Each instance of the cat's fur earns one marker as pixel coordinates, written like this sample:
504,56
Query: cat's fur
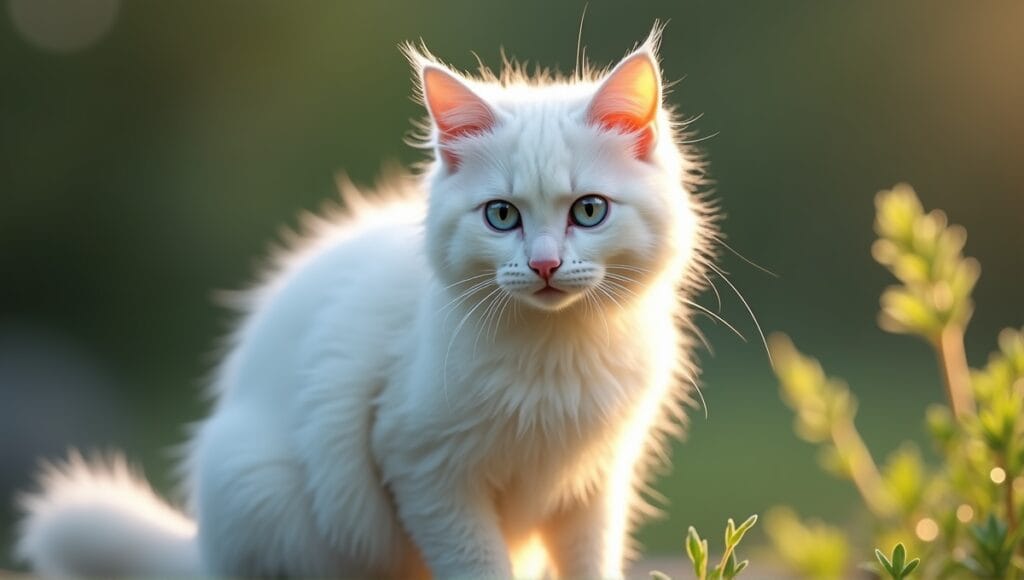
397,401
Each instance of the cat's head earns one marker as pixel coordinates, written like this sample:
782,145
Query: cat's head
553,190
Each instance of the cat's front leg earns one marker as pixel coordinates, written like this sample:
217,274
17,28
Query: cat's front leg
588,539
455,527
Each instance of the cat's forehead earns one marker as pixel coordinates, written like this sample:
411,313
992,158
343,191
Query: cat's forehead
542,140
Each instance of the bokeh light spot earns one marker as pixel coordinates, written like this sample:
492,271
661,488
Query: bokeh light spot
927,529
997,475
63,26
964,513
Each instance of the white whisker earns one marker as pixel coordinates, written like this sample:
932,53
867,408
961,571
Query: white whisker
627,267
606,291
505,301
455,302
718,297
485,321
718,239
591,299
715,317
464,280
455,334
700,394
621,288
757,324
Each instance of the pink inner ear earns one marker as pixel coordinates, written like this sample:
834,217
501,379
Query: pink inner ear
628,101
455,108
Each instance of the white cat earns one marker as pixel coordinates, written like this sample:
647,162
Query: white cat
464,374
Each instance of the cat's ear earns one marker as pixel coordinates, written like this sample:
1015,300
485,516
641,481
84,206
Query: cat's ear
455,109
628,99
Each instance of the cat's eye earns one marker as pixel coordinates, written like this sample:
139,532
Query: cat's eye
589,211
501,215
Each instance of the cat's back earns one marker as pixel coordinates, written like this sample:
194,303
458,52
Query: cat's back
353,280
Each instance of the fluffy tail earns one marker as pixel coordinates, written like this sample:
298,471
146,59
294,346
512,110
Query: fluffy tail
101,519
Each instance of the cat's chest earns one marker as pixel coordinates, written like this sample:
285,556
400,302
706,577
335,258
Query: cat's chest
548,437
524,417
544,409
570,382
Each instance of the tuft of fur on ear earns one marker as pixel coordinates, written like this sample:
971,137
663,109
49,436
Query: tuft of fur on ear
456,111
629,97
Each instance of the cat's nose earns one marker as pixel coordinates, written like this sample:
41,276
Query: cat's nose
544,259
545,267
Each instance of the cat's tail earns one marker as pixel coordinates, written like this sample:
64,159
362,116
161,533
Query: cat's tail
99,518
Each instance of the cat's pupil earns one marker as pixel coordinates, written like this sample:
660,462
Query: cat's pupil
503,213
589,208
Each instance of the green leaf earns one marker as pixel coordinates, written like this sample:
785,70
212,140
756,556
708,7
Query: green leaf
738,533
742,566
697,550
897,566
884,562
924,252
899,557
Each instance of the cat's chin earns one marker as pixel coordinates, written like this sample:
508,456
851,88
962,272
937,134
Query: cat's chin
549,298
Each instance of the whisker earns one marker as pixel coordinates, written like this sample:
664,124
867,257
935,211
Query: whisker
627,267
579,42
699,139
700,394
592,304
497,323
484,322
621,289
494,315
614,278
702,338
612,293
464,280
750,311
601,288
455,302
719,240
455,334
715,317
714,289
621,278
465,293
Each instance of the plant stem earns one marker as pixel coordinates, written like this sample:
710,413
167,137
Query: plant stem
955,373
863,471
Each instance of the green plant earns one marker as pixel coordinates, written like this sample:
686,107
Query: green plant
728,566
896,566
979,436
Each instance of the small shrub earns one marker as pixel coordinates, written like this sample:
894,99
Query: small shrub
963,515
728,566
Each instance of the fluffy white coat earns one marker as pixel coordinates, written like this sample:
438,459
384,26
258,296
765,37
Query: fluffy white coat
402,400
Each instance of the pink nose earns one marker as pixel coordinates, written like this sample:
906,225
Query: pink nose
545,267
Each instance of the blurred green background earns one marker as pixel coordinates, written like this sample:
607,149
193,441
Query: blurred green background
150,151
